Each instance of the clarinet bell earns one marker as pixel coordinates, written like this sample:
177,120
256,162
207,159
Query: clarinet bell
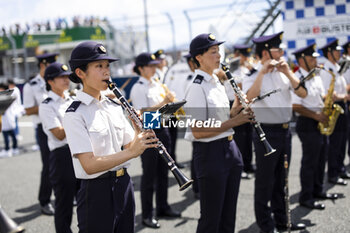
268,148
7,225
181,179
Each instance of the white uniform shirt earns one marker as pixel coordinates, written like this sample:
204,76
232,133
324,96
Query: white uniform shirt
51,112
340,83
277,108
347,76
207,100
315,90
96,126
8,120
34,92
145,93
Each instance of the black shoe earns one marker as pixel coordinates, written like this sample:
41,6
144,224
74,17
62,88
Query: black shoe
337,180
151,222
48,209
246,176
311,204
294,227
345,175
169,213
330,196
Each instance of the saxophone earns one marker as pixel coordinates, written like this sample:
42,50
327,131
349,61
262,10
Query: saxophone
330,109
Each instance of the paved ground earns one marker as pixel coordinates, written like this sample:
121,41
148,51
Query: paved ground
19,179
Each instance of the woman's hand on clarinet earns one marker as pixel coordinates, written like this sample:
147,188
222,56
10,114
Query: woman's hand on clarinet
143,141
244,116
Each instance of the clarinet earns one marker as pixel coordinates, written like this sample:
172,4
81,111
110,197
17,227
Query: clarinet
243,100
286,194
181,179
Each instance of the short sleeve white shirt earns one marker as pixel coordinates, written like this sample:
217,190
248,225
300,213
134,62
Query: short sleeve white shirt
95,126
34,92
315,90
277,108
340,83
146,93
51,112
207,100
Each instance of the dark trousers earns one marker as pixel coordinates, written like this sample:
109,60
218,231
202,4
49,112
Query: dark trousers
106,205
63,181
243,137
218,166
315,148
45,189
193,173
337,143
270,177
154,177
7,135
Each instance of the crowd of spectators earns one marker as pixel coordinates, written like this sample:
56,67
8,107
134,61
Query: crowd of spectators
52,25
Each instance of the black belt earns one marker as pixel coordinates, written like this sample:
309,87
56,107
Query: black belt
113,174
282,125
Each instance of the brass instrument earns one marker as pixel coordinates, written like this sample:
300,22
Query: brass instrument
181,179
7,225
330,109
180,111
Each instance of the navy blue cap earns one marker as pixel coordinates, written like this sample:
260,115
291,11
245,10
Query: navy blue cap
332,45
202,42
346,46
159,54
54,70
243,49
47,57
144,59
309,50
87,52
268,42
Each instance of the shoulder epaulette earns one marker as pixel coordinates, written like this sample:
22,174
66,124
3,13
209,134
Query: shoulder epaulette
74,106
198,79
32,83
252,71
140,82
47,100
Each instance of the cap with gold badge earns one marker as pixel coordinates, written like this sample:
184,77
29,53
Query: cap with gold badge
201,42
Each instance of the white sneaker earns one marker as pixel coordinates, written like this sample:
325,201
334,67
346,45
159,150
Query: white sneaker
35,147
15,151
19,137
2,153
8,153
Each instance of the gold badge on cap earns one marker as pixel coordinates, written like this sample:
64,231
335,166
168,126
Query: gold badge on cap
64,67
153,57
314,47
103,49
281,36
249,50
211,37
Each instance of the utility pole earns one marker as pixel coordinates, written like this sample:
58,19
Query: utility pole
189,24
146,23
173,32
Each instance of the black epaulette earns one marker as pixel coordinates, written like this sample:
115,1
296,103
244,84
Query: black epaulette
252,71
32,83
198,79
140,82
113,101
74,106
47,100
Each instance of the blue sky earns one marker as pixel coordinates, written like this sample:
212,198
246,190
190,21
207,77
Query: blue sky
221,16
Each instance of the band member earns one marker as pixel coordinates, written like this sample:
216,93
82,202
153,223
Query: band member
148,95
274,113
96,130
51,112
217,160
346,56
314,144
161,66
34,92
337,140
